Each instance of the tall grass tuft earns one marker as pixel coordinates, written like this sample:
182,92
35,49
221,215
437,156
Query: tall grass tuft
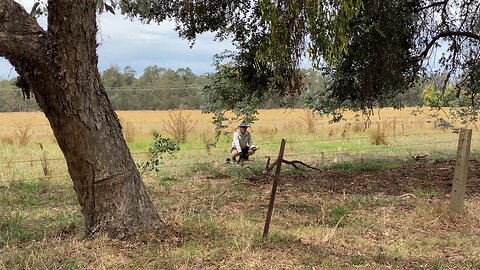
24,133
357,126
267,133
310,121
47,171
129,131
7,140
179,125
208,141
378,137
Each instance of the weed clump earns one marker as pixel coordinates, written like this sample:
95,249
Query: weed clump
7,140
310,121
24,133
129,132
179,125
379,137
158,147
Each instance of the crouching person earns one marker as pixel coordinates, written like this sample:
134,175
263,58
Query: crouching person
242,144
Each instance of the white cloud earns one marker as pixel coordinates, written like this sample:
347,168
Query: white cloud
124,42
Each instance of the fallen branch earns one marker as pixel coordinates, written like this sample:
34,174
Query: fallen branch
294,163
407,195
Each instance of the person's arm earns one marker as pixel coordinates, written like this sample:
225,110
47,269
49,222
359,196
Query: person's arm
236,142
250,141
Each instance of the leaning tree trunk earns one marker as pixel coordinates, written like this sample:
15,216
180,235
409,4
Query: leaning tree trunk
60,67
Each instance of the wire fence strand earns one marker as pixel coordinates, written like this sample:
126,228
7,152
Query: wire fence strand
225,146
169,165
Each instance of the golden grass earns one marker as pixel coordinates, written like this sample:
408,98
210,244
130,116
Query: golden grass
142,123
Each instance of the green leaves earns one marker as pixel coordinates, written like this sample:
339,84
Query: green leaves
368,48
158,147
378,62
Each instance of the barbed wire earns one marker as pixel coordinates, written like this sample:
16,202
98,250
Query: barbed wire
267,143
209,162
188,149
367,149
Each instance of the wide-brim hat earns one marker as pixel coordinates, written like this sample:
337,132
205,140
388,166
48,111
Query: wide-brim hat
244,124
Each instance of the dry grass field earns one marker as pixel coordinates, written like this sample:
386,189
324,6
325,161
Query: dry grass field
288,120
370,206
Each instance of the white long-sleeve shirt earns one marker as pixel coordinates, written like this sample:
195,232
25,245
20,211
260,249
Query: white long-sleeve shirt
241,141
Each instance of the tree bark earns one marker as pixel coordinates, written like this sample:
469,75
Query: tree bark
60,66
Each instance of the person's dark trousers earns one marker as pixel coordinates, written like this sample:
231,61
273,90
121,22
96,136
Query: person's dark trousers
244,154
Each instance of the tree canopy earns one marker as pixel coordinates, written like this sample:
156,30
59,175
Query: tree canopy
370,51
271,39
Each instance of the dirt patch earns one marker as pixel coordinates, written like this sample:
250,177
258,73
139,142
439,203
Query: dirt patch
423,176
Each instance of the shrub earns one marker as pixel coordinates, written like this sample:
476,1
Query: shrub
443,124
208,141
158,147
24,133
310,121
378,137
179,125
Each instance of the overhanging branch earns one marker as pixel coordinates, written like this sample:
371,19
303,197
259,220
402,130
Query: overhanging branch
434,4
447,34
21,37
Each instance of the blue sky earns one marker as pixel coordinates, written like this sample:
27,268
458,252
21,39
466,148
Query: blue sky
123,42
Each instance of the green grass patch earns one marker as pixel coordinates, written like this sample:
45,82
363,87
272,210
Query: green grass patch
167,181
337,216
428,192
15,228
356,260
26,194
300,206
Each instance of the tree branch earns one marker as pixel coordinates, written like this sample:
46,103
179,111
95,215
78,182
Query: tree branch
269,167
434,4
21,37
447,34
295,162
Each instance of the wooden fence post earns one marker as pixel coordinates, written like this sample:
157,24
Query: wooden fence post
460,176
274,188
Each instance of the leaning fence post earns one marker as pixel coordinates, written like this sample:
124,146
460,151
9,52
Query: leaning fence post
274,188
460,176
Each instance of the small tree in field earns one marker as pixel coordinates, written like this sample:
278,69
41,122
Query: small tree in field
179,125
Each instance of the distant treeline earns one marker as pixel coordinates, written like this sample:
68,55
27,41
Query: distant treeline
164,89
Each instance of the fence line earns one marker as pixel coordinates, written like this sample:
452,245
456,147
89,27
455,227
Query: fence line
267,143
365,149
167,166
